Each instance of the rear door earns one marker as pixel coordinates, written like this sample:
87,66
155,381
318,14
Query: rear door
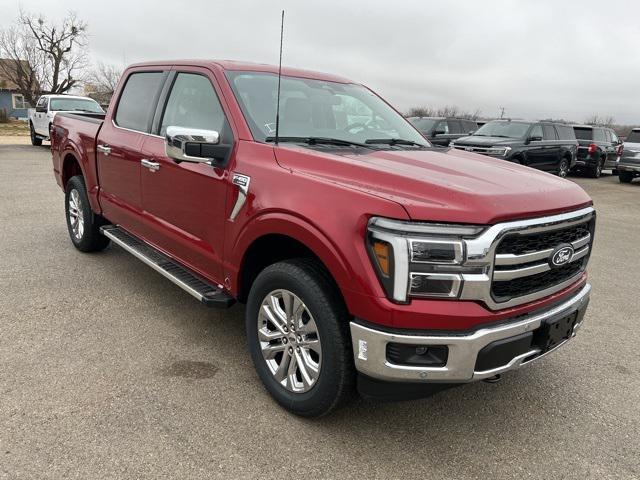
184,202
119,148
551,149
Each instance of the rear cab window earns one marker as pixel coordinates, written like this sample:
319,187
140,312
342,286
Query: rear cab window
583,133
137,102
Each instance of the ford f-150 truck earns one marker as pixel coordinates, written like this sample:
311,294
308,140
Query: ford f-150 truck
48,106
367,259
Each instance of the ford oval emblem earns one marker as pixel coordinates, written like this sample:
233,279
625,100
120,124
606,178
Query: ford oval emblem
561,255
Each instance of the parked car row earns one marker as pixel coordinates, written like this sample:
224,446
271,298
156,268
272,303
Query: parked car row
549,146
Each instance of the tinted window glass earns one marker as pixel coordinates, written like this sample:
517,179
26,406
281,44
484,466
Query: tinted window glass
136,105
598,135
505,129
454,126
634,137
536,131
442,128
75,104
423,124
564,132
583,133
193,103
470,126
549,133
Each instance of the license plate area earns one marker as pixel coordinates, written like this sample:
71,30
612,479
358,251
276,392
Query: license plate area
554,332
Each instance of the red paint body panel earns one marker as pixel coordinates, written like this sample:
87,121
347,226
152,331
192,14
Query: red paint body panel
323,200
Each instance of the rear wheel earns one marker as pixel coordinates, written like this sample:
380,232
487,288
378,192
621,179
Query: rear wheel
625,177
297,330
82,223
595,171
563,168
35,140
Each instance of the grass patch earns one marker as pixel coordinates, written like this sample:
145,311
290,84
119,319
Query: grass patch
13,128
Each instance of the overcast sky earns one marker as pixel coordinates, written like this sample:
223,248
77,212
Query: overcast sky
562,58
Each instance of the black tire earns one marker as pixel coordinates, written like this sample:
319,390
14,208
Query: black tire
595,171
311,283
89,239
35,140
625,177
563,167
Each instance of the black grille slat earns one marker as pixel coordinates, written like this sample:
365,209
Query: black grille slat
519,244
534,283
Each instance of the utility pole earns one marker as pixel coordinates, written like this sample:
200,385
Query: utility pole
501,112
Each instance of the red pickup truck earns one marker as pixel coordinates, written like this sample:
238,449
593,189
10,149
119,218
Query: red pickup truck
367,258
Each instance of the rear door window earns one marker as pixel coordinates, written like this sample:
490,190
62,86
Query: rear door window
138,101
607,134
454,126
598,135
549,133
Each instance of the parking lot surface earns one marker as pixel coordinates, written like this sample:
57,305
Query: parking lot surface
107,370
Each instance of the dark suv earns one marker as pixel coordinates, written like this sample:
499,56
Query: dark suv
543,145
598,149
441,131
629,163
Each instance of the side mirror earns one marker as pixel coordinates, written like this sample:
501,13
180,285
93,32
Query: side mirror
439,132
471,132
192,145
535,138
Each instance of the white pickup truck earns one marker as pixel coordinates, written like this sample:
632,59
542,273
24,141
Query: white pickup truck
41,117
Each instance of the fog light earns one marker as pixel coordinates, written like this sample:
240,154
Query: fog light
438,285
420,355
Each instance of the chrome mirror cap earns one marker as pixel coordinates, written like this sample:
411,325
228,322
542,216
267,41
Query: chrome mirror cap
185,144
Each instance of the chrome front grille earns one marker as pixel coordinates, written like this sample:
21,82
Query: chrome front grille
516,257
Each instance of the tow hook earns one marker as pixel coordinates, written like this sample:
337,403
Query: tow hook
494,379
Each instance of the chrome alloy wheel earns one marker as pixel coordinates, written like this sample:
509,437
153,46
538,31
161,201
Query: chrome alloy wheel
563,169
76,215
289,341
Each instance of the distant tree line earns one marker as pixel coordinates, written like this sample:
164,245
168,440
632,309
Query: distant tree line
454,111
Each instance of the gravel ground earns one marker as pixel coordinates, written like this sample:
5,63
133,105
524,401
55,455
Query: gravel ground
110,371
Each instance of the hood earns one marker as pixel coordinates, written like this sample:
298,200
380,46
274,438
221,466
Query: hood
484,141
443,185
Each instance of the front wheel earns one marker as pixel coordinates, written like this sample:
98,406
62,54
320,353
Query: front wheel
297,330
563,168
35,140
82,223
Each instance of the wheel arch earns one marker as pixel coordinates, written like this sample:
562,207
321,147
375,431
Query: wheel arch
71,167
278,237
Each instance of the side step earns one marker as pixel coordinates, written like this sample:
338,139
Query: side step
209,294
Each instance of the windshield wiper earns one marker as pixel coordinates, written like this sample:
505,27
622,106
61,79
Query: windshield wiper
393,141
318,141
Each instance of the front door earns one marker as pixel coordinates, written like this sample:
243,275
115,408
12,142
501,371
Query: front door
184,202
119,149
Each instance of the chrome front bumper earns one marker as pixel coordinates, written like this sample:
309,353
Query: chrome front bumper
370,347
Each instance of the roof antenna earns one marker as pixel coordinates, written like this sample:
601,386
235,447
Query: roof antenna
279,78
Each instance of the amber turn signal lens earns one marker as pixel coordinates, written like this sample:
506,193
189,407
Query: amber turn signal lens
382,252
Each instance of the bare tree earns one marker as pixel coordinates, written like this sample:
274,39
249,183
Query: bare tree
44,57
102,82
446,111
608,121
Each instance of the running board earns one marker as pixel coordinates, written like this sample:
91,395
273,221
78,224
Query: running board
209,294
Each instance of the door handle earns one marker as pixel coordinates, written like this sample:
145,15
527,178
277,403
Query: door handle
106,149
153,166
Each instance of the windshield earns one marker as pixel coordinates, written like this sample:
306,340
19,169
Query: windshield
72,104
423,124
634,137
317,108
583,133
503,129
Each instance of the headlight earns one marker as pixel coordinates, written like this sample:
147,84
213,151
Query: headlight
415,259
498,151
